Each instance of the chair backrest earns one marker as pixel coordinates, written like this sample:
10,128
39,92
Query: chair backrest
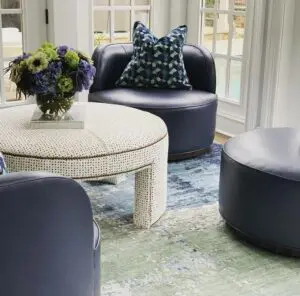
46,232
111,60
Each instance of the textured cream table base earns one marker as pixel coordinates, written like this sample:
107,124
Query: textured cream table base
116,140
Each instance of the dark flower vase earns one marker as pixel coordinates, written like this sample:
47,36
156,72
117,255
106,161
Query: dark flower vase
54,107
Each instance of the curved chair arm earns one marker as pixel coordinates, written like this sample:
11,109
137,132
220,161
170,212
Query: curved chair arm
47,237
111,60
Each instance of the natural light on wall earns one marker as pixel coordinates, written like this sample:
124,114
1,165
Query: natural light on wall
11,43
222,31
113,19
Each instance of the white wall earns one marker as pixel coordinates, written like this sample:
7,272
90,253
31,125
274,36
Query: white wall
72,29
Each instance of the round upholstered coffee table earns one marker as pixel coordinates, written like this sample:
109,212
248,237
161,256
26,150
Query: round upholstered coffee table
115,140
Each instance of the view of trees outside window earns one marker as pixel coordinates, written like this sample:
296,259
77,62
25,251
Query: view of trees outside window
113,19
222,31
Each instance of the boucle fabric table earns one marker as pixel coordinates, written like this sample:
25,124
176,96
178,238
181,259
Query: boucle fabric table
116,140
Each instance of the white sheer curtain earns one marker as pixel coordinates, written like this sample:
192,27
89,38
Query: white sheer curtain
268,85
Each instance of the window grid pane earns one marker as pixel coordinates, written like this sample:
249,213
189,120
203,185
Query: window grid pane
113,23
222,32
101,27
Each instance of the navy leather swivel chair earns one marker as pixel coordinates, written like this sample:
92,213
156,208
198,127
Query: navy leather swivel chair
49,242
189,115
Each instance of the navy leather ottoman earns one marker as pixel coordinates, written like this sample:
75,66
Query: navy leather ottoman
260,188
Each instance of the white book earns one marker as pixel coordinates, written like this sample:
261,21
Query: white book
73,119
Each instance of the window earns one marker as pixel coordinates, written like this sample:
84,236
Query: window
113,19
222,30
11,43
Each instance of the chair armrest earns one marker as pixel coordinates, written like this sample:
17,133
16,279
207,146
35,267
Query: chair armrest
40,180
51,217
23,177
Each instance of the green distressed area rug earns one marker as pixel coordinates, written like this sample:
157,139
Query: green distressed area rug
190,252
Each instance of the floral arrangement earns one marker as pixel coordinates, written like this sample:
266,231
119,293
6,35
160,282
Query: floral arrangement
53,74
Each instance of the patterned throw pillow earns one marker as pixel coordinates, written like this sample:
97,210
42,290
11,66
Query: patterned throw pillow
3,168
156,63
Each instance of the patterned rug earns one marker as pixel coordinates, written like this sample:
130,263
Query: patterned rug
191,183
189,251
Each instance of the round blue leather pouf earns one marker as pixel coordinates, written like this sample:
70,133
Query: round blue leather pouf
260,188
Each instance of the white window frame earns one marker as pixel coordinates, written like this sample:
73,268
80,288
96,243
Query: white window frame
228,57
33,34
132,8
232,115
19,11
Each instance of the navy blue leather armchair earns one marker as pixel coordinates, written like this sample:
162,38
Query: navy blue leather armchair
189,115
49,242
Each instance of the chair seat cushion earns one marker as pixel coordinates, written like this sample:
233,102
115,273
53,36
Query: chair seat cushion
154,98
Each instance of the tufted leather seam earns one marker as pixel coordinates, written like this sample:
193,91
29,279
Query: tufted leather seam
205,59
167,108
98,57
126,52
179,108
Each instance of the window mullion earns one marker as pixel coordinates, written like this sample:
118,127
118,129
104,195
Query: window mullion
216,10
150,14
132,18
215,30
123,7
229,50
202,19
2,92
11,11
112,25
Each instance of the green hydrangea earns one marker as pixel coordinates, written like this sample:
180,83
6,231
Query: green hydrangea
72,59
65,84
37,62
48,45
50,53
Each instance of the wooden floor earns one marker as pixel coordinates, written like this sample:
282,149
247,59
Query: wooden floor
220,138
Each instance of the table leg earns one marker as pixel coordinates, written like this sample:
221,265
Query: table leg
151,193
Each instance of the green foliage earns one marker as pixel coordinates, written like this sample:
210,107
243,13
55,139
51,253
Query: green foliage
17,71
72,59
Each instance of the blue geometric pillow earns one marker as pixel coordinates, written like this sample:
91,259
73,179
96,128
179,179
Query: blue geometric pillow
3,168
156,63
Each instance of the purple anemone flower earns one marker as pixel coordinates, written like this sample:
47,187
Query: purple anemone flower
62,50
22,57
